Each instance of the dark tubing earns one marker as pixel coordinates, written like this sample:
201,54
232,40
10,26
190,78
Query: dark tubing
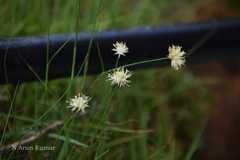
20,57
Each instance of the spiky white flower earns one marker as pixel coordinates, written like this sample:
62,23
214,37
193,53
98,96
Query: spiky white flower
176,56
120,48
79,103
120,77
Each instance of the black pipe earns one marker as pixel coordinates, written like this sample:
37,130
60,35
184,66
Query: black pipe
20,57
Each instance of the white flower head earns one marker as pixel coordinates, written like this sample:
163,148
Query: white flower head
79,103
176,56
120,77
120,48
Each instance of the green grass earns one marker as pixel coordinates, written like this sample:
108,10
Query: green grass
157,117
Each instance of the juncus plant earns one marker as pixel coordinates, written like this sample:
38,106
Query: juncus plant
119,76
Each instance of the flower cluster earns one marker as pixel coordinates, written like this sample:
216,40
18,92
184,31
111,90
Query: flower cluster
120,75
120,48
177,56
79,103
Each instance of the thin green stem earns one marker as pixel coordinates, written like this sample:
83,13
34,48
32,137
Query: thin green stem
100,57
117,61
139,63
73,62
9,112
47,51
144,62
102,121
75,41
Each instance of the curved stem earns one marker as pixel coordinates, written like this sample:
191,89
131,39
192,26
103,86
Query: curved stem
144,62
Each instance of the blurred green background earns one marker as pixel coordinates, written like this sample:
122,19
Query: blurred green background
160,116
